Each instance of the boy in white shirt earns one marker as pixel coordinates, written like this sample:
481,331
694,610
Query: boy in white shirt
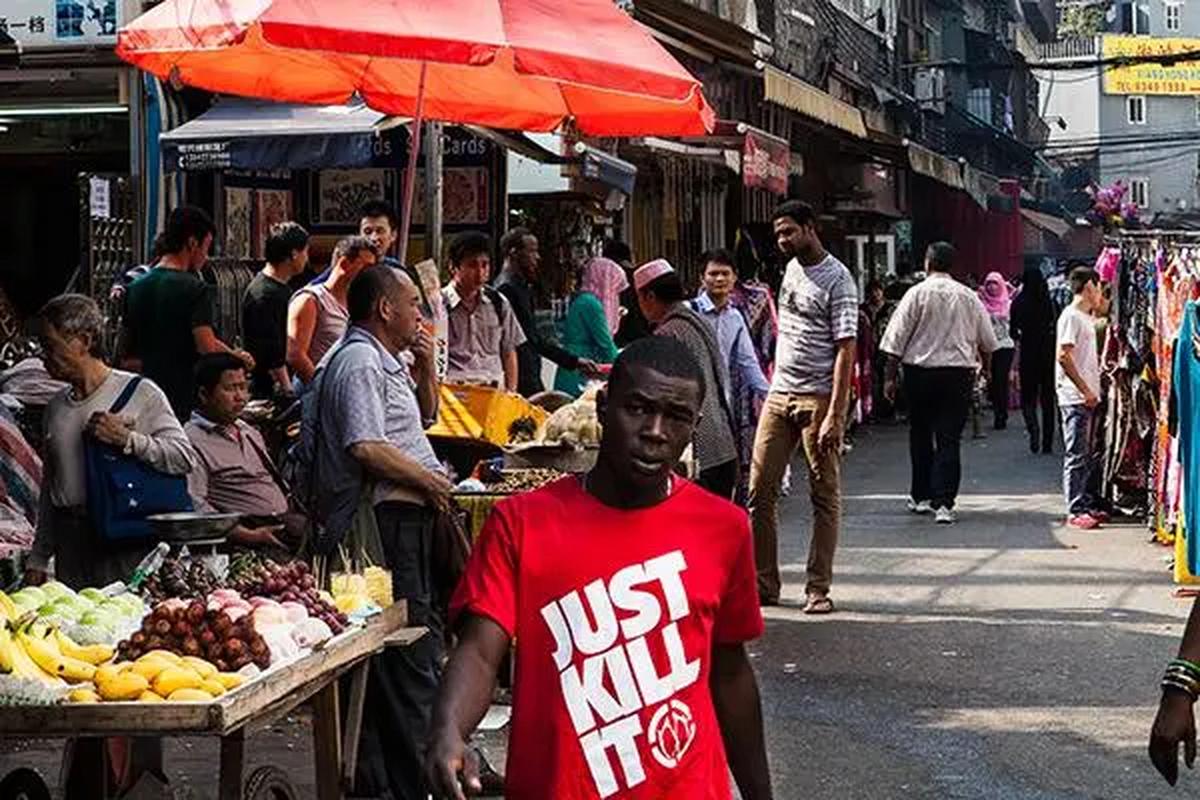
1077,381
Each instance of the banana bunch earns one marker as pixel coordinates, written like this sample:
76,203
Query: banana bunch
32,650
16,661
42,647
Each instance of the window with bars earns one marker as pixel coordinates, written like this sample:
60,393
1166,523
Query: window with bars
1139,192
1135,106
1173,16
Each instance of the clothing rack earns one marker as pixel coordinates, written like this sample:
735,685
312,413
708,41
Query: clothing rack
1154,233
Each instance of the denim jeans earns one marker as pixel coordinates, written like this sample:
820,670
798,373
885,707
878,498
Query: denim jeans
1081,460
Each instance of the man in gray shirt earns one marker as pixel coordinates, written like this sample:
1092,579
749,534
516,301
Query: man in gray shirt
807,404
660,296
365,420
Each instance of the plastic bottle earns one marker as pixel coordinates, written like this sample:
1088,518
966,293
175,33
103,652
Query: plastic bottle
149,565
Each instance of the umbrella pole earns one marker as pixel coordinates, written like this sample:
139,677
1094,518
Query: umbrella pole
410,180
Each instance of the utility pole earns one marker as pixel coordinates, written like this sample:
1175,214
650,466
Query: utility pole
433,190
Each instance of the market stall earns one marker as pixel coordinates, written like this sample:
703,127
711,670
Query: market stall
1154,276
189,654
539,449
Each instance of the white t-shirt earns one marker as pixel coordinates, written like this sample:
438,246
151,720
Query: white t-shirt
1078,330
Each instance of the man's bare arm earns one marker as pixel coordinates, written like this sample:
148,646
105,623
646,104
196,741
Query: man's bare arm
385,460
843,376
302,321
739,714
464,698
511,371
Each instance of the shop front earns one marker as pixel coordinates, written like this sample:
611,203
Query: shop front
64,112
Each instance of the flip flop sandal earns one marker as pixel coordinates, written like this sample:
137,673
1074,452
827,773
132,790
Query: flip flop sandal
819,605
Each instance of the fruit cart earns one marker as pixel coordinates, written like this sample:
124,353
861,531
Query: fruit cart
251,707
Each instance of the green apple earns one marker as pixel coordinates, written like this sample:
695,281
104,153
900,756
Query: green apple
25,602
35,594
54,589
93,594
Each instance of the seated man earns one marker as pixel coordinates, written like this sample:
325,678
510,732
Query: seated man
235,475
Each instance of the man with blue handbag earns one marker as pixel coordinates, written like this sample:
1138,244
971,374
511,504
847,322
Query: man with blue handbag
106,432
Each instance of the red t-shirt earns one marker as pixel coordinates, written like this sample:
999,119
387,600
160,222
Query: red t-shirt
616,613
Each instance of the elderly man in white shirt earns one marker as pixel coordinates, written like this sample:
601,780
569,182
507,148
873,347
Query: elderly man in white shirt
943,336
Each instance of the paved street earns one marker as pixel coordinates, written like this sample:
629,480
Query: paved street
1003,657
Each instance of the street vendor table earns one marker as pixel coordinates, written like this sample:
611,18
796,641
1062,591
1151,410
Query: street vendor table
252,707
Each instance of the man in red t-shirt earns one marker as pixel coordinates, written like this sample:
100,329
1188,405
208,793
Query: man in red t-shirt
632,593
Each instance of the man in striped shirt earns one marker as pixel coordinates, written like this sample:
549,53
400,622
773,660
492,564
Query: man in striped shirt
810,393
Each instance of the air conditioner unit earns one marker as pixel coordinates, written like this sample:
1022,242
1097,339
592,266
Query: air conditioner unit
930,89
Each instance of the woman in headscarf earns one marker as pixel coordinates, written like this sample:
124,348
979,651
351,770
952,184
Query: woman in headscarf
592,318
1032,325
996,295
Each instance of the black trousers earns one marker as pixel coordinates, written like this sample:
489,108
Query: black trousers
939,401
403,682
721,480
1037,391
1001,368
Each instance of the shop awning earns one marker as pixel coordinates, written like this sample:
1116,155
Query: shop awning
252,134
536,163
1047,222
600,166
782,89
764,158
936,166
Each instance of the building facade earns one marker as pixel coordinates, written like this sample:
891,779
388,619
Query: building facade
1146,116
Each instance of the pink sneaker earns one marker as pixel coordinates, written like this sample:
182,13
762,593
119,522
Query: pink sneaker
1083,522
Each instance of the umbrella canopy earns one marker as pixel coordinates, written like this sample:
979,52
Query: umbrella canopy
515,64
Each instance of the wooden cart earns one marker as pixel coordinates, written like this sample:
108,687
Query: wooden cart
252,707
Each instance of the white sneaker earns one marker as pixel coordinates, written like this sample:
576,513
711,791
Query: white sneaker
945,516
922,507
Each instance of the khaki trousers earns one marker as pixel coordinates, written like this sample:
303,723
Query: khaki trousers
787,422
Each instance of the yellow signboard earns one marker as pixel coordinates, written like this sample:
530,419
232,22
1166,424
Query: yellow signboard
1181,78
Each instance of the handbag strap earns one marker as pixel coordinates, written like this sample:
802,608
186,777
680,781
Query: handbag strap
126,395
267,463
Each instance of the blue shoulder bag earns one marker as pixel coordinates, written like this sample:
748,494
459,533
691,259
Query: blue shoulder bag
122,491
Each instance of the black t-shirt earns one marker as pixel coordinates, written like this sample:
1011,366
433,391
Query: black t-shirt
264,329
163,308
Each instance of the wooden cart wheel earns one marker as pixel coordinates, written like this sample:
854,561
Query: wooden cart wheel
24,784
267,783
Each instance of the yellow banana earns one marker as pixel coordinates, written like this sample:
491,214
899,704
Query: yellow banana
95,654
8,609
24,667
8,659
46,655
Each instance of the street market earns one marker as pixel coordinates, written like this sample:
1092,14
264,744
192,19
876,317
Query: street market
639,399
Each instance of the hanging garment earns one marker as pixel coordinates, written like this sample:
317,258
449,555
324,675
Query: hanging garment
1187,394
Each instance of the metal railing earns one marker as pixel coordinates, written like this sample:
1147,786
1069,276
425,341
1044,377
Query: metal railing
1071,48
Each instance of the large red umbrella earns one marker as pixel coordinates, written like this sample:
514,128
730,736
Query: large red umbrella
515,64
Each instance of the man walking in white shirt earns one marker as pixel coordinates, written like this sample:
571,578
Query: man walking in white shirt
942,335
1077,381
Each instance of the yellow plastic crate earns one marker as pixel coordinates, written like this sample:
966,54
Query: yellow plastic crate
454,420
491,410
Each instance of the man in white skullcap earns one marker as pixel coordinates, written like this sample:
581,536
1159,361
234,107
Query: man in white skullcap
661,298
